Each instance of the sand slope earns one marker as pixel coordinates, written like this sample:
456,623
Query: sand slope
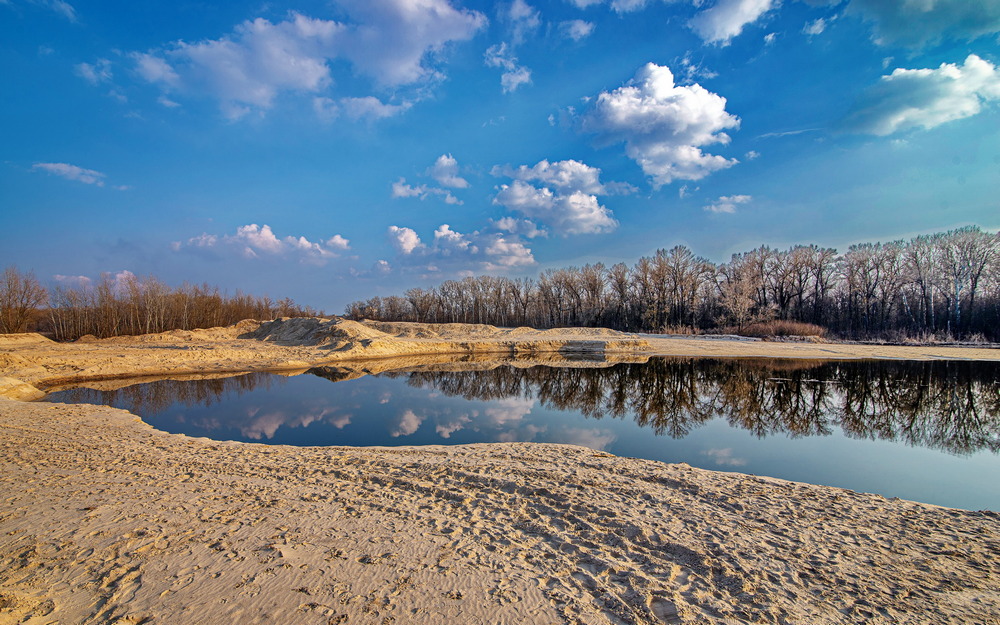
106,520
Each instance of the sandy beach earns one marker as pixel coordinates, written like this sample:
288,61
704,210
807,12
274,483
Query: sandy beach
107,520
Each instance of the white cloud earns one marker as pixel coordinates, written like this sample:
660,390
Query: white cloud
726,19
727,203
460,252
814,27
406,424
576,29
503,412
94,73
504,253
72,172
254,241
64,9
916,23
371,108
522,227
447,240
566,200
724,457
391,41
568,175
908,99
573,213
514,75
593,438
663,125
76,282
445,171
338,242
405,240
400,189
446,426
751,155
523,19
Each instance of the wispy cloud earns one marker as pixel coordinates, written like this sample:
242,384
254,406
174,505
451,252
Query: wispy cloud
72,172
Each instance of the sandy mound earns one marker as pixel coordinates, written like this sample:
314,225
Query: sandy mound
23,338
314,331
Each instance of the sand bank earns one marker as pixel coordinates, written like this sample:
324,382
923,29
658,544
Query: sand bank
106,520
298,344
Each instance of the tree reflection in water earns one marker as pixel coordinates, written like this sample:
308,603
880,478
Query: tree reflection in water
949,405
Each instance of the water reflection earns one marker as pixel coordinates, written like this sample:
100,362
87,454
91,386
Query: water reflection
948,405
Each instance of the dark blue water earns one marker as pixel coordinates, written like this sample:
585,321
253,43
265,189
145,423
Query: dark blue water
927,431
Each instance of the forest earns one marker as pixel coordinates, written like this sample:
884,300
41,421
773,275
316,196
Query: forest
124,304
943,286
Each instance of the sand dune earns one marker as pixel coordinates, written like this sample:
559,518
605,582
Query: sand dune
106,520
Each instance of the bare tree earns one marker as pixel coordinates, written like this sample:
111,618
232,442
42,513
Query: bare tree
20,297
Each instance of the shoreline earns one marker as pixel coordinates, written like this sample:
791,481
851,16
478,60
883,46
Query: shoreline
298,344
108,520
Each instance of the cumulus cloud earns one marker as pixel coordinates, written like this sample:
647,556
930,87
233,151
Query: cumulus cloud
72,172
908,99
390,41
565,199
523,227
406,424
576,29
404,239
663,125
568,175
916,23
445,171
573,213
253,241
514,75
724,20
456,251
727,203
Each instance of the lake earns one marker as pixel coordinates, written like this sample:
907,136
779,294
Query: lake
926,431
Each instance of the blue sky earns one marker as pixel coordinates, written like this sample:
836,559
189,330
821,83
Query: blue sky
331,151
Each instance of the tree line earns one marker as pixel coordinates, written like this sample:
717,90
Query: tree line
944,285
127,305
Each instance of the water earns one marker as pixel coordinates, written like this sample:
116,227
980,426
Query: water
926,431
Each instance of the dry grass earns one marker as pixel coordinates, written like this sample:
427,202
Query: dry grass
765,329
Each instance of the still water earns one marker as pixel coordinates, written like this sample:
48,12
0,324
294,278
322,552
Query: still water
926,431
